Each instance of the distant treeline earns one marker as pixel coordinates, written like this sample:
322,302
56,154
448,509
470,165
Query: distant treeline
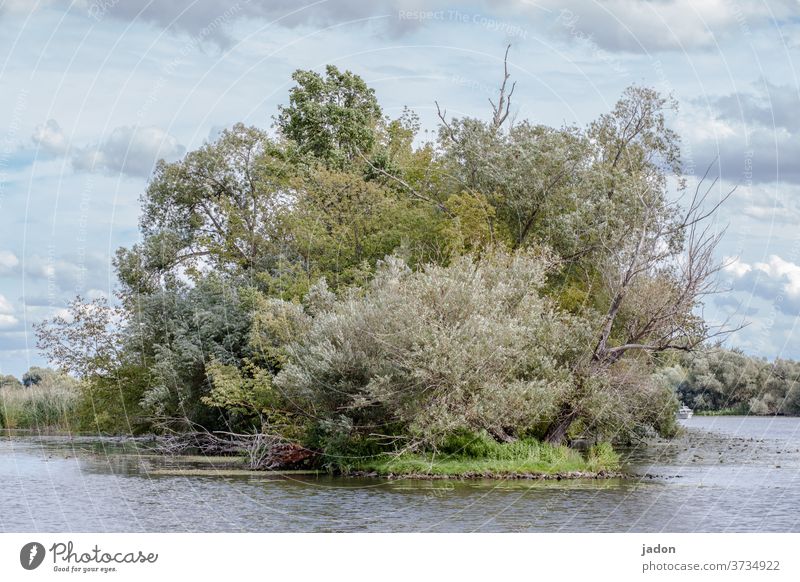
721,380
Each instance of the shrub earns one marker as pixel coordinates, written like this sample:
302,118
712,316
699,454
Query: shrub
602,456
473,346
111,404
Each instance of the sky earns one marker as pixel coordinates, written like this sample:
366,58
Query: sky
93,92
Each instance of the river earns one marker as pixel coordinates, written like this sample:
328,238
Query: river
725,474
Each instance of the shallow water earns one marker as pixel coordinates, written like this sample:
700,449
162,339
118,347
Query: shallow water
725,474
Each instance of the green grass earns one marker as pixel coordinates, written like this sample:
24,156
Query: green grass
37,407
482,456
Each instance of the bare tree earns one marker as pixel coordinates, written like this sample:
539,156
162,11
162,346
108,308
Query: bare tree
503,106
657,273
500,110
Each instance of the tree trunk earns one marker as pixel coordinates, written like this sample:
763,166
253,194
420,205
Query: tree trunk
557,431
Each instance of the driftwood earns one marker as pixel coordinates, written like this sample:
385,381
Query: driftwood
263,452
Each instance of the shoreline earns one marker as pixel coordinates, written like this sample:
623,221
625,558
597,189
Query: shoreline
474,476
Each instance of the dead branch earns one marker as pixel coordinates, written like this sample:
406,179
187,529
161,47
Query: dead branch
502,108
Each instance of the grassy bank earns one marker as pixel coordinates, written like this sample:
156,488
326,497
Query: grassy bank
37,407
484,457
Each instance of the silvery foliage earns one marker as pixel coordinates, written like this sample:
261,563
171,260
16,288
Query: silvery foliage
473,345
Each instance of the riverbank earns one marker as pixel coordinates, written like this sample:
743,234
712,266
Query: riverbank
463,456
482,458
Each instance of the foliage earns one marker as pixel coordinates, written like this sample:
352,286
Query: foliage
179,331
220,207
470,346
343,224
350,287
9,381
332,117
716,379
84,342
112,404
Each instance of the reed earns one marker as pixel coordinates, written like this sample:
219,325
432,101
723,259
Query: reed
37,407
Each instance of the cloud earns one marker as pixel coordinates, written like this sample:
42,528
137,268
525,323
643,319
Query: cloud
625,26
49,137
776,280
129,150
66,278
775,205
20,6
733,306
755,134
662,25
6,308
614,25
767,211
8,262
209,20
12,343
7,318
8,321
768,105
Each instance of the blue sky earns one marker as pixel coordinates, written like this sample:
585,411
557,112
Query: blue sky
92,92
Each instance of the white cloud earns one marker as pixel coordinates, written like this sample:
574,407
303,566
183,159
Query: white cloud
736,267
767,105
615,25
68,276
8,262
93,294
776,280
6,308
129,150
21,6
7,317
50,138
656,25
755,134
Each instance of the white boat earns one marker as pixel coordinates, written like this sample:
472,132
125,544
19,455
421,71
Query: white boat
685,412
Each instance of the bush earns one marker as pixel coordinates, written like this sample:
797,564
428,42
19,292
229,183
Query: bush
471,347
111,405
602,456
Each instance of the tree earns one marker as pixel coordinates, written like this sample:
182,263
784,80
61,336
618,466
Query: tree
9,381
221,207
331,117
343,224
85,342
656,272
530,174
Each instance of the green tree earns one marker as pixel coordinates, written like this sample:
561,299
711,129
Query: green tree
220,207
332,117
343,224
9,381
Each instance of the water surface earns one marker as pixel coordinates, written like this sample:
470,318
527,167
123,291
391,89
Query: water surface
726,474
